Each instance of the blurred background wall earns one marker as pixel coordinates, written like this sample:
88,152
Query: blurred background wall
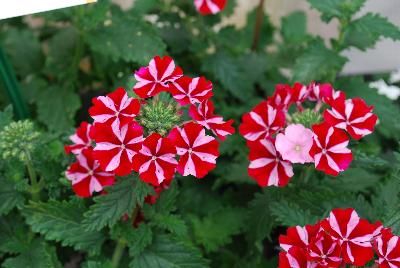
384,57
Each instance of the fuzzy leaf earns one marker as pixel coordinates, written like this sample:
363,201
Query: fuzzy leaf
317,63
9,196
61,221
170,222
13,234
139,240
167,253
109,208
364,32
291,214
342,9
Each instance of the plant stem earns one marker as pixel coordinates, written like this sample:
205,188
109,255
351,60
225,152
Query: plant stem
118,252
258,26
35,186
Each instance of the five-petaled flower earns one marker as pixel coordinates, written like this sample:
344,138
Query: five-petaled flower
188,90
387,247
87,176
81,139
206,7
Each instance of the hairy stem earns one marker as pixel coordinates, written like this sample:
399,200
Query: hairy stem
258,26
35,186
118,252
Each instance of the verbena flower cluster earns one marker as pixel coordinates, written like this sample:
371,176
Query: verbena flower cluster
288,128
148,135
342,238
206,7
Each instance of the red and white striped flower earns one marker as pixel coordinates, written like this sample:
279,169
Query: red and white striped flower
299,93
320,92
81,139
282,98
295,258
188,90
206,7
156,161
298,236
266,165
114,108
329,149
87,176
204,115
324,250
387,247
116,146
198,151
156,77
352,115
262,122
353,233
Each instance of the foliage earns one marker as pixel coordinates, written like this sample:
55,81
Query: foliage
223,220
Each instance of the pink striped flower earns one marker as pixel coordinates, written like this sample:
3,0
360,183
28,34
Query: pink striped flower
320,92
116,146
204,115
206,7
156,77
156,161
282,98
87,176
81,139
295,258
353,233
198,151
188,90
298,236
324,250
387,247
352,115
266,165
262,122
329,149
114,108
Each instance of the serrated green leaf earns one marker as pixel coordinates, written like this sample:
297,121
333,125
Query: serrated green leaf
39,255
317,63
62,221
171,222
139,240
9,196
342,9
291,214
126,38
364,32
141,190
217,229
13,234
353,180
167,253
108,209
294,27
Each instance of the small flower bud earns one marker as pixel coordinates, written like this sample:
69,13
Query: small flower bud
307,118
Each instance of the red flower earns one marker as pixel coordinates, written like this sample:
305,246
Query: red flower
266,166
204,115
115,107
320,92
155,78
298,236
206,7
299,93
263,121
387,247
324,250
353,233
156,161
329,149
188,90
295,258
81,139
115,146
353,115
282,97
86,175
198,151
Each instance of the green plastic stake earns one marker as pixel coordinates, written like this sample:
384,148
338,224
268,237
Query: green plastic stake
11,85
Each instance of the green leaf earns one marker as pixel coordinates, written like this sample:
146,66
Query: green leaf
342,9
13,234
217,229
317,63
6,116
353,180
24,51
291,214
97,264
119,200
141,190
126,38
61,221
167,253
39,255
294,28
364,32
9,196
139,240
171,222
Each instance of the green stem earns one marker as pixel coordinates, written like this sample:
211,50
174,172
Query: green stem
35,186
258,26
118,252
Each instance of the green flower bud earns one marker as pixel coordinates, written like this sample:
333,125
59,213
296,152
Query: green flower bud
307,118
18,140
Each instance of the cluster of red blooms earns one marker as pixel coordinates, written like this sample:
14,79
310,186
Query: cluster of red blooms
343,238
206,7
276,140
116,144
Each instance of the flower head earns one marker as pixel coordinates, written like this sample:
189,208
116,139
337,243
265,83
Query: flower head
186,90
81,139
387,247
206,7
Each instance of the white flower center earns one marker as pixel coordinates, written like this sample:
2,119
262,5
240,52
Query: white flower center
90,172
190,151
123,146
153,158
323,151
297,148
